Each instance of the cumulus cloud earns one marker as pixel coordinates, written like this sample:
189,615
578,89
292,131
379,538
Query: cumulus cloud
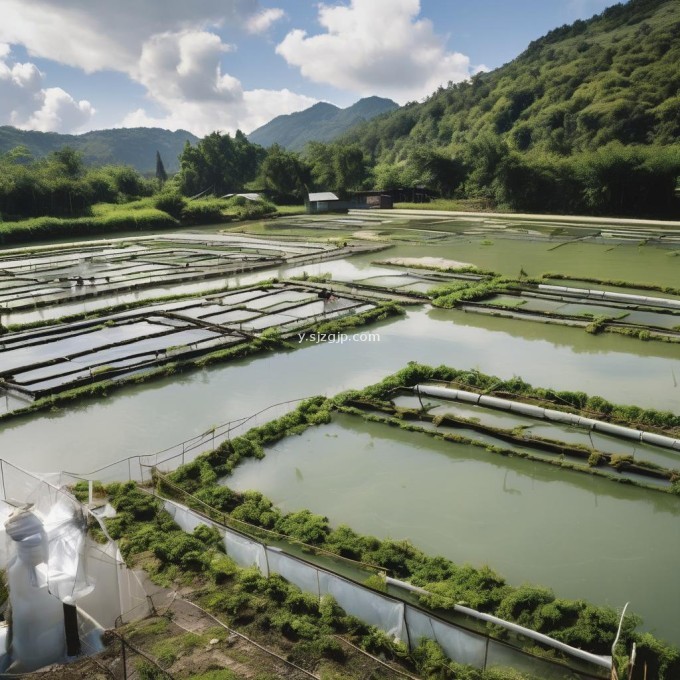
186,65
172,48
26,103
183,75
375,47
259,23
99,34
256,108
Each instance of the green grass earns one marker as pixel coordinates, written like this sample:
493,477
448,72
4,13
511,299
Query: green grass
104,220
291,209
456,205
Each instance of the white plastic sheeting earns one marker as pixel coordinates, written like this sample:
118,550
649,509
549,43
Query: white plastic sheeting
51,561
459,644
298,573
379,611
549,414
389,614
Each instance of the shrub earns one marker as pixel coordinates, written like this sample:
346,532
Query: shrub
172,203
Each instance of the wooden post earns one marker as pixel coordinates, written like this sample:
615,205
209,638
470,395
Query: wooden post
71,630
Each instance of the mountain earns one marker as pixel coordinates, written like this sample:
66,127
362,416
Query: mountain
127,146
612,78
322,122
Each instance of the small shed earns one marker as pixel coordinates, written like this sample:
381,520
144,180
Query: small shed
324,201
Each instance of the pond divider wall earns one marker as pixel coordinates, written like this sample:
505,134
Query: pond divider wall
397,618
532,411
605,295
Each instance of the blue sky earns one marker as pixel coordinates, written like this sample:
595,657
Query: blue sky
76,65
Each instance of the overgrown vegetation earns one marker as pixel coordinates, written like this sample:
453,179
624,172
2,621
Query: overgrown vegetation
269,609
575,622
584,121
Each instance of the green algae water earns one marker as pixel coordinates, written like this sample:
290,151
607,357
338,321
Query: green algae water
583,536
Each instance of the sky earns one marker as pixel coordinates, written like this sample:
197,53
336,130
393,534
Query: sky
203,65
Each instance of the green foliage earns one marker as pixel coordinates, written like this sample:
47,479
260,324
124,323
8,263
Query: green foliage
218,164
584,121
284,172
59,185
53,227
171,202
305,526
336,167
147,671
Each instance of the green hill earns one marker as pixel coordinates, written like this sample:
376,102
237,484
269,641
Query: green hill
586,119
614,77
322,122
128,146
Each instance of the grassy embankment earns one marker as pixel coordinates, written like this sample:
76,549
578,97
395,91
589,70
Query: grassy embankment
309,632
145,214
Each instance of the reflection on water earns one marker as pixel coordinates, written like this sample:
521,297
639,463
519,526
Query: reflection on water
145,418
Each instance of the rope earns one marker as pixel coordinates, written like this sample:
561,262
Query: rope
376,659
244,637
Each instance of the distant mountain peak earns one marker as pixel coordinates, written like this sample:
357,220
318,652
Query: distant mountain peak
322,122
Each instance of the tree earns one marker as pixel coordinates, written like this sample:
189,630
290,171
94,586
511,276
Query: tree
218,164
340,167
284,172
441,172
161,175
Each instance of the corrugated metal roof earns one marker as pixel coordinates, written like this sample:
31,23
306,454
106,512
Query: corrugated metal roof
323,196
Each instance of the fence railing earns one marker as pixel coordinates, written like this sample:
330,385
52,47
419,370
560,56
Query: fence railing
403,620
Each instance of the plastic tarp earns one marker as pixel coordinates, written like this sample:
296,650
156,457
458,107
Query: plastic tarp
374,609
51,561
390,615
245,552
460,645
302,575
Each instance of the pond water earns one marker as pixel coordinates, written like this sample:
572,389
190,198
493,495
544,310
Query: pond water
583,536
145,418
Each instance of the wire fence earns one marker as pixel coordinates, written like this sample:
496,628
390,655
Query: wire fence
462,641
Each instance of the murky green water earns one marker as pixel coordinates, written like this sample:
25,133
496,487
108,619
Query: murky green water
585,537
146,418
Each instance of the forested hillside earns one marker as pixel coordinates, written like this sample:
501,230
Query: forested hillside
121,146
595,98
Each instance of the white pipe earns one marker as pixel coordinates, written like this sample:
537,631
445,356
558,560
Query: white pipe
549,414
604,661
612,296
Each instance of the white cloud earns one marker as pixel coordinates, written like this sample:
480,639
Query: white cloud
183,75
100,34
25,103
186,66
60,112
375,47
256,108
259,23
170,47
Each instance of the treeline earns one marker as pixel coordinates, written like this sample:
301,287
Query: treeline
60,185
586,120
